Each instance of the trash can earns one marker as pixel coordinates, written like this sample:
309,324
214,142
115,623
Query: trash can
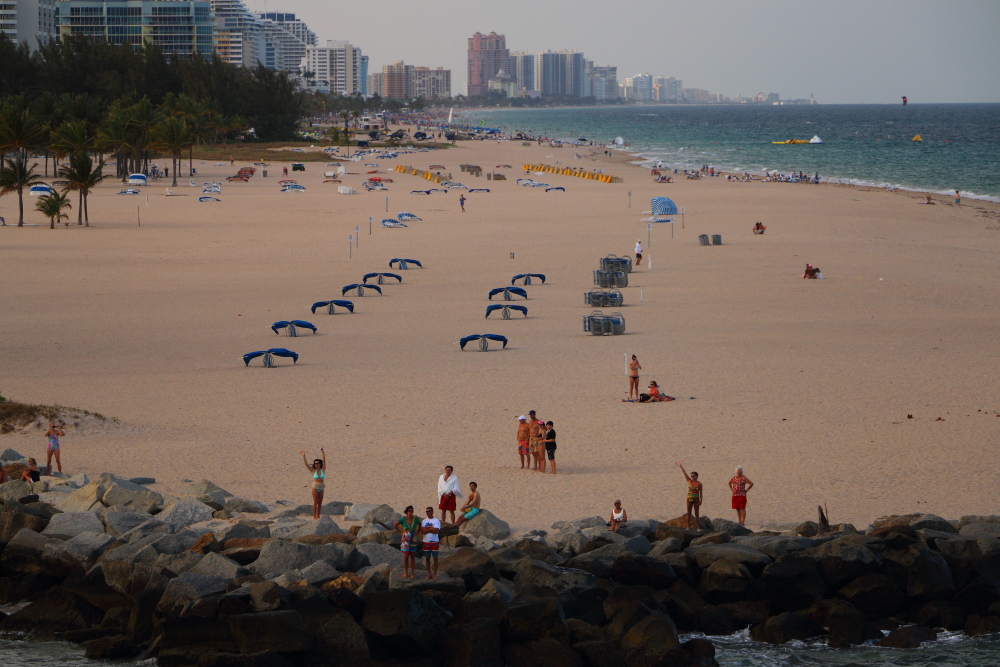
489,177
716,239
263,173
703,239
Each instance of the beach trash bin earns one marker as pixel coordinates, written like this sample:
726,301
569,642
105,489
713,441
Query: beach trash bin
703,239
489,177
716,239
264,173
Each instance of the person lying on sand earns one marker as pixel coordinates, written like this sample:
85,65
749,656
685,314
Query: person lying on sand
759,228
811,273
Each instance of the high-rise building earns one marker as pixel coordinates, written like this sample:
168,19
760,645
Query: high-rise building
639,87
375,84
431,83
363,76
522,68
503,84
559,73
335,68
667,89
605,83
285,40
397,81
487,55
695,95
182,27
29,21
238,36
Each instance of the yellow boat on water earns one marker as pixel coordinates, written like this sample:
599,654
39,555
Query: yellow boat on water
792,141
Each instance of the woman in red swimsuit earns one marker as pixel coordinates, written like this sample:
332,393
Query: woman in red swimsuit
739,486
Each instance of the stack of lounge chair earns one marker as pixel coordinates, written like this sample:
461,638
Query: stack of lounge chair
602,299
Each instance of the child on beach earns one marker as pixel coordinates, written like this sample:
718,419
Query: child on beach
695,497
431,530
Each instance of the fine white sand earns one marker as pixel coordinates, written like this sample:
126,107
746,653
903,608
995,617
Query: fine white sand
807,384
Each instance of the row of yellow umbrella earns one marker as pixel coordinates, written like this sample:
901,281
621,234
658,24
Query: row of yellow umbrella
434,178
567,171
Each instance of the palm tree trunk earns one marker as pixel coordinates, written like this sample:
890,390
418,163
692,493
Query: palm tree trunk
20,208
52,223
177,164
79,210
86,210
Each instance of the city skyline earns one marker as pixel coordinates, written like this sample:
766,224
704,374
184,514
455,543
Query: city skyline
845,52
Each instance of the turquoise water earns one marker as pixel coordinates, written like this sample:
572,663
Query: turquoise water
864,144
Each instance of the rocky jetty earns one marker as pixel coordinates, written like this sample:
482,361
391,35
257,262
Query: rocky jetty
206,578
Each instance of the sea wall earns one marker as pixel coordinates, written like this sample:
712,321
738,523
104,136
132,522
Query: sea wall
206,578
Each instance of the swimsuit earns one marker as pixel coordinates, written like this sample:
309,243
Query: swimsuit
319,485
53,443
471,512
617,516
694,495
522,447
406,543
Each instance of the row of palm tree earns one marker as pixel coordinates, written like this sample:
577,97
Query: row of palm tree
67,131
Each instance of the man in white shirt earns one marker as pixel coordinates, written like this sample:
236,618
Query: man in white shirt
448,490
430,528
638,253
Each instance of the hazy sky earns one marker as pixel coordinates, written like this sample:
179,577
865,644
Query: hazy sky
843,51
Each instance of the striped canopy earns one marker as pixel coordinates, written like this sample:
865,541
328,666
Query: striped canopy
663,206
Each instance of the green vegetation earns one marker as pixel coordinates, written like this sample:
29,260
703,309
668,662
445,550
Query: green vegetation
15,416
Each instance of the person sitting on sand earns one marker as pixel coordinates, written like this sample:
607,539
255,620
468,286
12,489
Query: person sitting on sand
471,506
407,527
759,228
318,469
654,394
812,272
695,497
619,517
31,473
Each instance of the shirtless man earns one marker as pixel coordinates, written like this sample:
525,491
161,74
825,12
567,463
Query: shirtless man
523,438
535,436
471,506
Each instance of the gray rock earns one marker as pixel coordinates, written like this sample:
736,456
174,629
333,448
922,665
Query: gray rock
602,533
189,587
706,554
321,526
637,527
375,583
175,543
277,556
980,529
443,584
357,511
241,531
580,524
84,499
335,507
80,479
667,546
147,528
733,528
370,529
118,523
319,573
176,564
493,590
637,545
10,455
76,555
977,518
217,565
551,580
70,524
204,487
235,504
989,546
933,522
185,512
382,568
24,551
142,480
14,490
568,536
384,515
485,544
775,546
132,496
382,553
285,529
485,524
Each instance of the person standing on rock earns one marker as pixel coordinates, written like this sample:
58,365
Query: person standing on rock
694,497
407,527
318,469
471,506
431,530
53,434
523,439
739,485
448,490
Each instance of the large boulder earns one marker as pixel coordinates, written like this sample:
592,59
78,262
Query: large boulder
12,522
321,526
382,554
629,569
185,512
845,558
706,554
792,582
58,609
25,550
118,523
357,511
650,641
847,625
235,504
726,581
775,546
471,565
278,631
384,515
122,493
980,594
217,565
734,529
533,618
786,627
486,524
84,499
538,550
65,525
189,588
477,643
909,637
277,556
77,554
549,580
405,620
13,490
345,639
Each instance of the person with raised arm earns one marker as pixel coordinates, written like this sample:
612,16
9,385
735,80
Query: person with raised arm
318,469
695,496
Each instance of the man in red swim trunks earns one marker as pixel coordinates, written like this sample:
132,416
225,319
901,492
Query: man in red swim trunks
523,439
448,490
739,485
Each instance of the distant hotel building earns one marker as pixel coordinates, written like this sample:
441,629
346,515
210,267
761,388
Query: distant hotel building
335,68
431,84
400,81
285,40
559,73
604,83
30,21
238,36
181,27
488,54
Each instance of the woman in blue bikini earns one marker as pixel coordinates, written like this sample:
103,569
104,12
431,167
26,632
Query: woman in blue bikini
53,434
318,469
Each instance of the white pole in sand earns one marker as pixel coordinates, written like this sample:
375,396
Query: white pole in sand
357,234
630,199
387,203
640,295
369,225
350,246
682,218
137,218
649,230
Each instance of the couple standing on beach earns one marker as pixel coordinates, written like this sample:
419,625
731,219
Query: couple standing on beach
536,441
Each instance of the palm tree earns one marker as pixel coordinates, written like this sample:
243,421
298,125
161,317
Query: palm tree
52,206
15,176
81,175
113,138
141,119
171,135
19,129
70,138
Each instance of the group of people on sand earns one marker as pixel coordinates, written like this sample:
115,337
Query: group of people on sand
32,473
409,526
654,394
536,442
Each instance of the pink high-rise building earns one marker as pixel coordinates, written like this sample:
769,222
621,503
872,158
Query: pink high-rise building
488,54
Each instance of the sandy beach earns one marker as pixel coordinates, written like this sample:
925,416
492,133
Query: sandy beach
807,384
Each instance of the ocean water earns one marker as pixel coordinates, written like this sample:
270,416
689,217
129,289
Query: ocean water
864,144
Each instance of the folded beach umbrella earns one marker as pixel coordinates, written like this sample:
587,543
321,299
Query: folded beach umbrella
505,310
360,287
269,355
527,277
483,339
381,277
507,292
403,263
349,305
291,326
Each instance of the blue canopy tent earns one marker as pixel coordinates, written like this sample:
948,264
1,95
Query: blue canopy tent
349,305
662,207
269,356
507,292
527,278
381,276
505,310
291,327
360,287
403,263
484,340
